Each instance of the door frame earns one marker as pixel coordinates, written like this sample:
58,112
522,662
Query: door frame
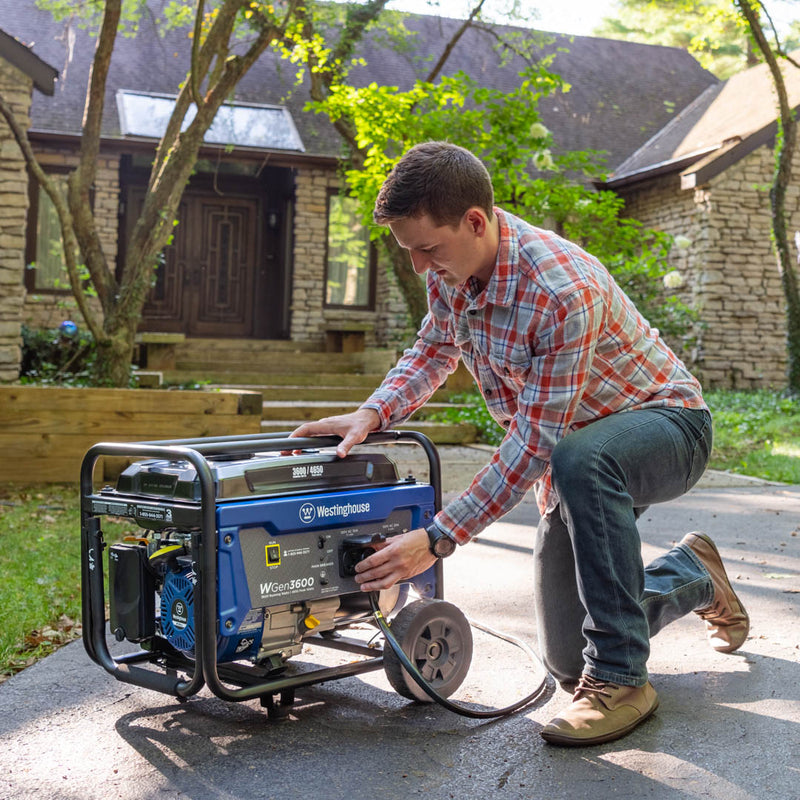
273,189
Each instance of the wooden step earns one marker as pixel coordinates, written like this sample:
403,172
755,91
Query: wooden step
315,409
264,354
343,392
437,432
276,378
204,345
293,363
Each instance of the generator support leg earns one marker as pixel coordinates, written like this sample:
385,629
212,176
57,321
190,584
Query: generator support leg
278,709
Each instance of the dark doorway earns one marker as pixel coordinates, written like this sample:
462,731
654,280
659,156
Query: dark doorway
224,275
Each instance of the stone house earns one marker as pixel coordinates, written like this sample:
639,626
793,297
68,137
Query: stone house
705,176
256,253
20,73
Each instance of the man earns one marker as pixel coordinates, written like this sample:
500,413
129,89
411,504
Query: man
601,418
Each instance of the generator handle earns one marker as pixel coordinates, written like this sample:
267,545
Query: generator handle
267,442
92,593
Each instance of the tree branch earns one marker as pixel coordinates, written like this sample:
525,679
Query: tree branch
82,180
155,223
439,66
198,31
214,44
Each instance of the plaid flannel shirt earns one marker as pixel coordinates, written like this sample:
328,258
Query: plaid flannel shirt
553,344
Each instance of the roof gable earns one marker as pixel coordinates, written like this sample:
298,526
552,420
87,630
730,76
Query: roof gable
724,124
42,74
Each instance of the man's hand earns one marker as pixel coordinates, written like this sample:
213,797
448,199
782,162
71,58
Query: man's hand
399,558
353,428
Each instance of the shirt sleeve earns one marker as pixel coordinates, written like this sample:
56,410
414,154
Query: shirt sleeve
564,346
421,370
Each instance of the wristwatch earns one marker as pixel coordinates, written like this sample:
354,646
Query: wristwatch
441,544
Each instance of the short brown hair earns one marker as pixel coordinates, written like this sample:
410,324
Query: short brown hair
439,179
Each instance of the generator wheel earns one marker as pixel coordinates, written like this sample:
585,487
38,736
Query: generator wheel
437,637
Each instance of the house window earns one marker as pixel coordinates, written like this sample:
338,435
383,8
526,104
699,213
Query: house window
350,266
45,254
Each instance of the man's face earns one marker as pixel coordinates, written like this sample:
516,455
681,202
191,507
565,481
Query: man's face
455,254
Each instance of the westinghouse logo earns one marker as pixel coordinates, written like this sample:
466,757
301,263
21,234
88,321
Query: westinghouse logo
309,512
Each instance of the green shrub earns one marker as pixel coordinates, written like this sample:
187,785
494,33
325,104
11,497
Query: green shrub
53,357
756,433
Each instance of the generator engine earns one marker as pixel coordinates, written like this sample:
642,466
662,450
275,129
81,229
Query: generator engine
289,533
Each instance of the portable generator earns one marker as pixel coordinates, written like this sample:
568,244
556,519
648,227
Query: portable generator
245,554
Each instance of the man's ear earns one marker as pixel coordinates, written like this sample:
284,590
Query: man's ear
476,220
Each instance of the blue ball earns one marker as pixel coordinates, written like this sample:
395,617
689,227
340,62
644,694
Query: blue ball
68,329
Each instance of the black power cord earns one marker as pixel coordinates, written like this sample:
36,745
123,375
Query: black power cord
456,708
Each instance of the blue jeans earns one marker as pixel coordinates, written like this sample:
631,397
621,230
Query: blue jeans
596,604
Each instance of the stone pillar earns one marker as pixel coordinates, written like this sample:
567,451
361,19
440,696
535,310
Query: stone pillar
16,88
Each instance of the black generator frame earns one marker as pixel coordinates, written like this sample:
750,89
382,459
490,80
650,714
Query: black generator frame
250,682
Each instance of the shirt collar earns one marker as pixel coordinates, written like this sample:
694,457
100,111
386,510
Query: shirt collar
502,286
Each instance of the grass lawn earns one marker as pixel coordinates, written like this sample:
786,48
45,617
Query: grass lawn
40,595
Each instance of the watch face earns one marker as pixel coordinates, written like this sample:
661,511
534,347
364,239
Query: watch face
444,546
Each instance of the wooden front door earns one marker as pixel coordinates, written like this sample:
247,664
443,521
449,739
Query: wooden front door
205,285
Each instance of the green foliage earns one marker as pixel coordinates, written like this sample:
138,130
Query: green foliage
89,13
51,358
530,177
469,407
755,433
713,31
494,124
710,30
40,601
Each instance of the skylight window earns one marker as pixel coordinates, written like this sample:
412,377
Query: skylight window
265,127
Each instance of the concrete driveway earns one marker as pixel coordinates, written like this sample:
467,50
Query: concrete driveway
728,727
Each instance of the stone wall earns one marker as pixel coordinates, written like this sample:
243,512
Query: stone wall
48,310
742,298
388,326
730,271
16,88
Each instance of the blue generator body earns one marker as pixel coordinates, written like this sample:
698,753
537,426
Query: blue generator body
246,551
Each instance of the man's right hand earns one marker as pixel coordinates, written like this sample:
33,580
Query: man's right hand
353,428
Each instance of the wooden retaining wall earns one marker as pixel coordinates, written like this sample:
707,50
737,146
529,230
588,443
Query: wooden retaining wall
45,432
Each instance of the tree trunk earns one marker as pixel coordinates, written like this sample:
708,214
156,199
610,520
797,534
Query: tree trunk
214,68
114,356
785,143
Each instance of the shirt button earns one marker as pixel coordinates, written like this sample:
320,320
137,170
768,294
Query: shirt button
506,423
487,392
473,311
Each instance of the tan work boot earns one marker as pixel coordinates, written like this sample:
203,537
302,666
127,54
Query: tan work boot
601,712
727,623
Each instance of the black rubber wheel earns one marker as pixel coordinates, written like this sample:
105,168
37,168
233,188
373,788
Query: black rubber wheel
437,637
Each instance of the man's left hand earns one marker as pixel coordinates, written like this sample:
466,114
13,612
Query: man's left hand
399,558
